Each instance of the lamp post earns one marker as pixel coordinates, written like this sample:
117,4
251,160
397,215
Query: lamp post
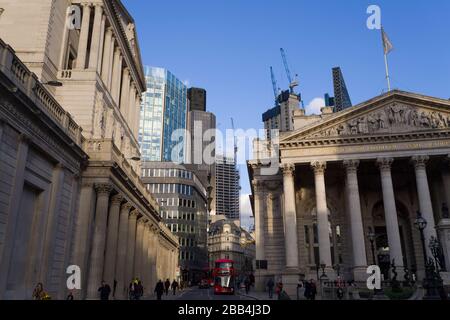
372,238
420,223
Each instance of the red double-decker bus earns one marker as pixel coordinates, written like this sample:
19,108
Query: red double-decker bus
224,276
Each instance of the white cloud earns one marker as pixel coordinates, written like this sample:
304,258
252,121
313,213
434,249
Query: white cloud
246,211
314,106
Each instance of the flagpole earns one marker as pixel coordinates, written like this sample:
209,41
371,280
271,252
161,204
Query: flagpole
387,72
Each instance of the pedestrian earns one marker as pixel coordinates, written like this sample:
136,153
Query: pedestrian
300,290
38,292
104,290
138,290
270,285
131,289
313,290
159,289
247,284
70,295
167,286
340,288
174,286
252,279
307,292
279,289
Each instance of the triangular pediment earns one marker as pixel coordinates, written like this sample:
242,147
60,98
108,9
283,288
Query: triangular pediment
393,113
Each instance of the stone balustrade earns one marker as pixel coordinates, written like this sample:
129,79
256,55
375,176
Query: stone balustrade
26,81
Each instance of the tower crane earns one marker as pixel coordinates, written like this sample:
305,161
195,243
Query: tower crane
274,85
292,82
235,150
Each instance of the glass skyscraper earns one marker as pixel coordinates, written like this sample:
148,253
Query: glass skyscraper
163,110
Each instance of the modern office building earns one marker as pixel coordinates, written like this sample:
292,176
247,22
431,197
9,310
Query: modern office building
197,99
182,199
281,117
163,111
341,97
227,188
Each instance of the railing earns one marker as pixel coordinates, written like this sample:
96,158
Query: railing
25,80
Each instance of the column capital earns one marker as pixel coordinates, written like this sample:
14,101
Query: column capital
420,162
385,163
134,213
24,138
103,188
116,199
319,167
258,186
109,30
288,169
126,207
351,165
143,220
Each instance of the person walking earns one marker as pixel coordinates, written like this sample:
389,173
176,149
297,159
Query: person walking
104,290
167,286
131,289
174,286
247,284
270,285
252,279
38,292
279,289
138,291
70,295
159,289
300,290
312,290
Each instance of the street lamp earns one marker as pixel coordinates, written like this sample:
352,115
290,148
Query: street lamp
53,83
420,223
323,266
134,158
372,238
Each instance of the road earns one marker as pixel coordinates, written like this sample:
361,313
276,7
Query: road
207,294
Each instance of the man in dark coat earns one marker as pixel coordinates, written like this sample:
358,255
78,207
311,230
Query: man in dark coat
174,286
167,286
159,289
104,290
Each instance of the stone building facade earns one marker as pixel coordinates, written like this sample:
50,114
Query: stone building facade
118,232
369,168
227,240
41,161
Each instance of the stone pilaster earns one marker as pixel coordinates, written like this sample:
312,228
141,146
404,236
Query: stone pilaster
107,63
96,37
131,247
116,75
139,251
390,211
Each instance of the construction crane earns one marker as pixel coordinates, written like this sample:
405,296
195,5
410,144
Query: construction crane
274,85
235,150
292,82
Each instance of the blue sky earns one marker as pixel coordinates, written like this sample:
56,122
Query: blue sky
227,47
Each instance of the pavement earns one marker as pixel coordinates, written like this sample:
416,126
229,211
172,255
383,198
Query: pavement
194,293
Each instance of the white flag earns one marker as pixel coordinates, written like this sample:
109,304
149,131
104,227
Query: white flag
387,45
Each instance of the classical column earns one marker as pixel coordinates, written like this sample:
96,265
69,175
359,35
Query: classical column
106,63
390,211
138,115
138,256
145,261
84,35
423,193
131,108
153,252
131,247
290,217
116,75
111,241
312,257
121,277
322,214
99,238
124,97
96,37
258,188
112,50
356,223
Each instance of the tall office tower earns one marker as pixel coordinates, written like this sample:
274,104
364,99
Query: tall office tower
341,97
197,99
163,111
281,117
227,188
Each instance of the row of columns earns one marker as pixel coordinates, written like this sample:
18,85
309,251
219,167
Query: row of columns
106,57
124,244
356,224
